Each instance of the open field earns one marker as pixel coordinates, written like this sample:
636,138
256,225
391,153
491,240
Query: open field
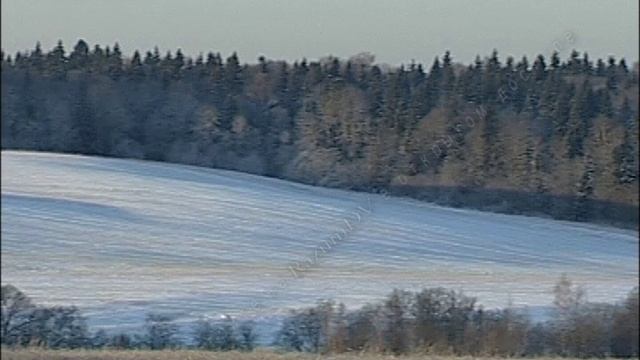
201,355
120,238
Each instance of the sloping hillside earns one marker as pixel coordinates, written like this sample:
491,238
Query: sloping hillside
120,238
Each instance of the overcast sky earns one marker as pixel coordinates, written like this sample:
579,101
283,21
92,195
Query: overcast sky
396,31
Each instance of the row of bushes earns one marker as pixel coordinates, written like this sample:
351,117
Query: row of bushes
24,324
440,321
436,321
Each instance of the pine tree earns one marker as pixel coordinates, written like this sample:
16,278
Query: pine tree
562,109
57,62
348,74
584,192
494,148
31,129
233,75
79,57
86,135
432,84
612,75
521,79
622,66
548,106
262,61
136,71
587,65
448,76
333,69
491,77
166,67
601,69
605,105
579,122
474,90
539,68
555,61
97,59
282,85
36,59
625,154
178,64
375,92
115,63
574,64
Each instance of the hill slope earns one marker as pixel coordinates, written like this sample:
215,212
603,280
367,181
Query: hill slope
120,238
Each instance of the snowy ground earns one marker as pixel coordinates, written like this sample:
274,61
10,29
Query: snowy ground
120,238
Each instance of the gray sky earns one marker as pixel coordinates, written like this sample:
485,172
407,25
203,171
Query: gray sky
395,31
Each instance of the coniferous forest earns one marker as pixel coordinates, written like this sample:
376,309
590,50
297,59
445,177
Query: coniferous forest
545,136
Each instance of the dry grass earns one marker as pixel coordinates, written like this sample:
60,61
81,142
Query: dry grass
37,354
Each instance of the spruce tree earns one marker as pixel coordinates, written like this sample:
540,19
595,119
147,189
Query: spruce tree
587,65
433,83
579,122
491,77
57,62
539,68
601,69
97,60
86,135
474,91
574,64
136,71
555,61
79,56
521,79
178,64
562,110
612,75
448,76
36,59
115,63
28,128
375,92
625,154
493,162
582,209
233,75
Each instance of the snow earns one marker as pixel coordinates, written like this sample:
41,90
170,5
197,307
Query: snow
120,238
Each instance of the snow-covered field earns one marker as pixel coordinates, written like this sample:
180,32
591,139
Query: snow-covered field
120,238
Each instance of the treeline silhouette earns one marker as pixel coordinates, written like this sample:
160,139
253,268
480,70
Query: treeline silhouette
432,321
560,137
24,323
444,322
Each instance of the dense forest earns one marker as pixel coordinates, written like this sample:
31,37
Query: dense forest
552,137
435,321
